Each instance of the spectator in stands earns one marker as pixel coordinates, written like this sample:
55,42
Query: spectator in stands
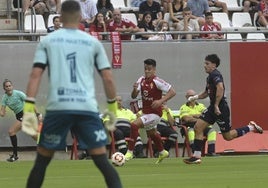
253,4
262,19
165,127
88,12
219,4
55,6
146,25
122,25
189,113
218,110
164,4
198,8
188,24
136,3
175,11
41,7
211,26
56,24
154,8
106,8
124,119
162,27
99,25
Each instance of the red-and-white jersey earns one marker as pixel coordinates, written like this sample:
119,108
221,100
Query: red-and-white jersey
151,89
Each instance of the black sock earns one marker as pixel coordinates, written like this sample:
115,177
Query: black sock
38,171
14,143
110,174
198,145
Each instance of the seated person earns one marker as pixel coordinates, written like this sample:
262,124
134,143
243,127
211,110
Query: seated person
247,4
154,8
211,26
188,24
163,26
56,24
88,12
146,25
122,25
175,11
189,113
106,8
99,25
198,8
262,19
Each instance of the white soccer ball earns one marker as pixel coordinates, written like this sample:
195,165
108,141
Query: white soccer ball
118,159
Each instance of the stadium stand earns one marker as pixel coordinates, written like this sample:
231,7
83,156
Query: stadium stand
34,23
256,36
241,19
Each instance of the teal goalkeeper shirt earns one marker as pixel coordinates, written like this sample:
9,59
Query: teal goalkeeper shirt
15,101
71,56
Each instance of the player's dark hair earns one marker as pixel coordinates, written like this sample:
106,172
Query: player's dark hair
70,6
213,58
150,62
5,81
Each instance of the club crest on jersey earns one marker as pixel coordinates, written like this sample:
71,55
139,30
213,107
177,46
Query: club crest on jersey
151,85
145,93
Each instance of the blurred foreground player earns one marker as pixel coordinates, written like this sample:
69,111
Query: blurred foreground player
71,56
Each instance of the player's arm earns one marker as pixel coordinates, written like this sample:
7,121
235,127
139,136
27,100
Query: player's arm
171,93
219,93
135,91
34,82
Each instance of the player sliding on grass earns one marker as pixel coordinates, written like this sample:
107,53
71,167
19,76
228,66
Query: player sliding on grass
71,57
218,111
151,88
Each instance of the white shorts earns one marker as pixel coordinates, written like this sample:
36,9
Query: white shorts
150,121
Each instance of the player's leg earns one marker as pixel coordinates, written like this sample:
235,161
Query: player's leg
134,133
37,173
225,126
56,126
13,139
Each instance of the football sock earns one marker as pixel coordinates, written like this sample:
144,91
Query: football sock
157,141
37,174
242,130
110,174
14,143
134,133
198,144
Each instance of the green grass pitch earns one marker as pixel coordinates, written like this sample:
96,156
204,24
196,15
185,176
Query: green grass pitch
246,171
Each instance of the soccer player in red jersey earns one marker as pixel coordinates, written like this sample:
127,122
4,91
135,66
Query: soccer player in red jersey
151,89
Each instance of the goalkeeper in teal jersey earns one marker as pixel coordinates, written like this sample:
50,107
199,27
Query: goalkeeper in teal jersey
71,57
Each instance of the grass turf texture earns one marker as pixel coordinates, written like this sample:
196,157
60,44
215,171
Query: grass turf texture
250,171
